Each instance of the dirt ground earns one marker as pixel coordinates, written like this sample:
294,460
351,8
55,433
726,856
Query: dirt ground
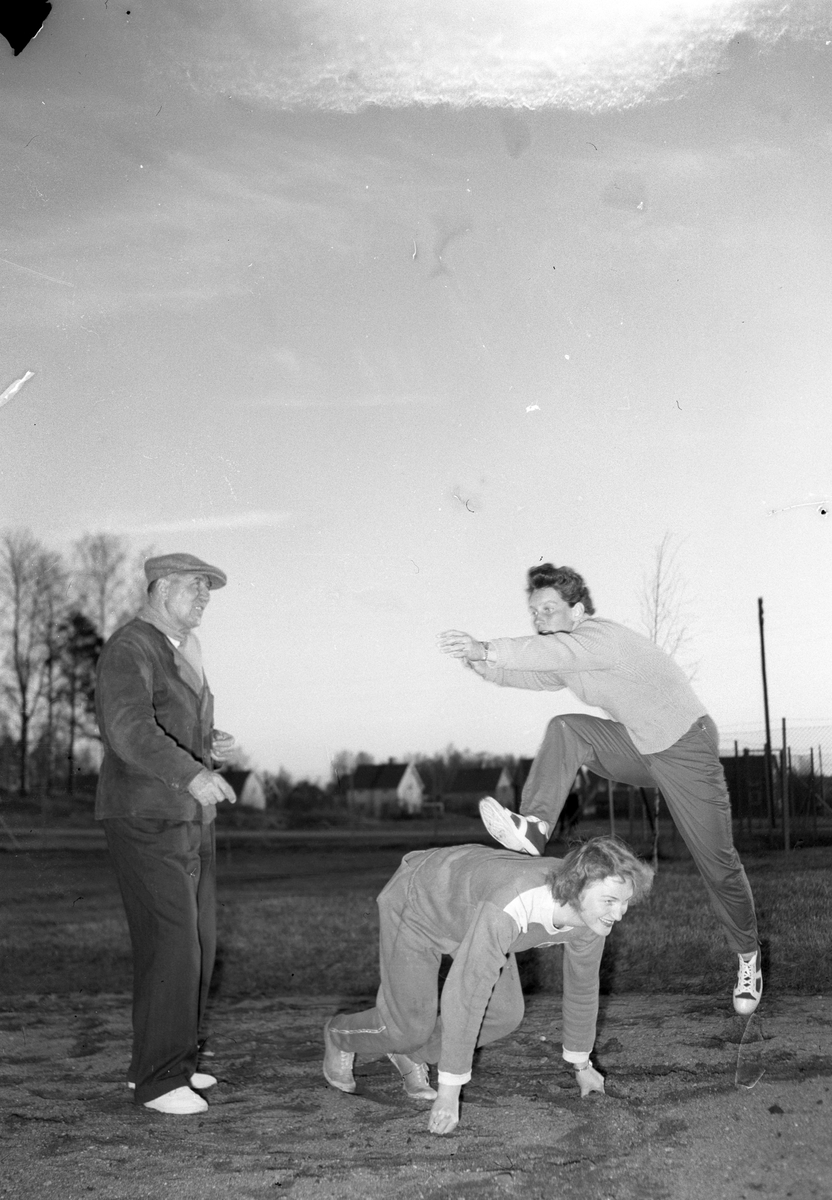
676,1123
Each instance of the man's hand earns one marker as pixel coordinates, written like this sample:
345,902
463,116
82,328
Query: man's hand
590,1080
444,1115
223,745
461,645
210,788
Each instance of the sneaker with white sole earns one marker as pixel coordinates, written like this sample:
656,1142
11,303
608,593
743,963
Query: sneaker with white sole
181,1102
526,834
199,1080
337,1063
749,987
414,1076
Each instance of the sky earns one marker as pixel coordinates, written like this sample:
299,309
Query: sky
377,305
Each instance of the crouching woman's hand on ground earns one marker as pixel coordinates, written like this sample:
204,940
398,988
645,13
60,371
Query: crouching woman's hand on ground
444,1116
589,1080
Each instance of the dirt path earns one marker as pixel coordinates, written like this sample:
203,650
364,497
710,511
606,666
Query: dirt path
674,1123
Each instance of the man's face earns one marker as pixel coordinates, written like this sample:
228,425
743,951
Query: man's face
603,903
550,612
185,599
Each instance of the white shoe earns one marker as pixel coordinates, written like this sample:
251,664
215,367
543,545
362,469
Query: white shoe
415,1077
202,1081
529,835
337,1063
749,987
181,1102
199,1080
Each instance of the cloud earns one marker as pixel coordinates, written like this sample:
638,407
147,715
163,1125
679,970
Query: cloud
304,397
589,55
381,600
257,519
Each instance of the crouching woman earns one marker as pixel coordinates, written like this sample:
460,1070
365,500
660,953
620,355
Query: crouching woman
481,906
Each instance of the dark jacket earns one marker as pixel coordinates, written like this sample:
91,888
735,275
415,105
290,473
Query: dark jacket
155,727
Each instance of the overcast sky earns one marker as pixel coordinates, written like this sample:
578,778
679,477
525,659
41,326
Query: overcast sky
376,305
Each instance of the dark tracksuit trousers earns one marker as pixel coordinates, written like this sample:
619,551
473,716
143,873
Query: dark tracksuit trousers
689,776
166,872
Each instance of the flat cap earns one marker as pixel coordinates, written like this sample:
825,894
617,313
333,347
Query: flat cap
183,564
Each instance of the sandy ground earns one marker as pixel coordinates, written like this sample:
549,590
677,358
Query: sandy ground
676,1122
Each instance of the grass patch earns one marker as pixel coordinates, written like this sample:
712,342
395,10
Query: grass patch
673,943
309,925
309,944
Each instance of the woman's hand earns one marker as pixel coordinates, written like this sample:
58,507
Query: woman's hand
461,645
444,1115
590,1080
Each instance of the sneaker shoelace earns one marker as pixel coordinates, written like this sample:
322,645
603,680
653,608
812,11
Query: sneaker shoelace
748,971
420,1072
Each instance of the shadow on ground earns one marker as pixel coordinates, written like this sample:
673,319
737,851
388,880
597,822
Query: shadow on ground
676,1123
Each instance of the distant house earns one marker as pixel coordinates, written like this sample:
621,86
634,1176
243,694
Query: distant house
470,784
589,794
745,775
248,788
386,789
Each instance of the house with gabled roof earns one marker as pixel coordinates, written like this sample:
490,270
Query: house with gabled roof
388,789
248,788
470,784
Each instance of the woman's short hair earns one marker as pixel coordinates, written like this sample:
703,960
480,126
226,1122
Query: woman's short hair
599,858
567,583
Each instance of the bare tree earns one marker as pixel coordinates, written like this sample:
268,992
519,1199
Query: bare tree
664,618
343,766
54,589
663,600
108,579
30,579
78,647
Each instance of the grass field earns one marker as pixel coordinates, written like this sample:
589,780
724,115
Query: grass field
304,922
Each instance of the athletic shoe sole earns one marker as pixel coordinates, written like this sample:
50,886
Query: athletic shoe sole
509,829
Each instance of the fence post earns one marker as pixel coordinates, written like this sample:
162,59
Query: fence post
813,797
737,788
769,781
630,814
784,790
821,788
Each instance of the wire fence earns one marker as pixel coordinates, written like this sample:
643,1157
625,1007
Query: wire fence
787,792
780,801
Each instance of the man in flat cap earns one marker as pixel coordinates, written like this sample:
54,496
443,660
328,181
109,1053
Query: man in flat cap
157,796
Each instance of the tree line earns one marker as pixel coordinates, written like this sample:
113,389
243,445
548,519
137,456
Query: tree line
56,611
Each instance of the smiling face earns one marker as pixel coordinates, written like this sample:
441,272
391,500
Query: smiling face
603,903
184,597
550,613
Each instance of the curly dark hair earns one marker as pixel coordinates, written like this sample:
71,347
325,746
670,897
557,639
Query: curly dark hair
566,582
599,858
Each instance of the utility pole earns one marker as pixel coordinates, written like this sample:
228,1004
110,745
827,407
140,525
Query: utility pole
785,785
769,789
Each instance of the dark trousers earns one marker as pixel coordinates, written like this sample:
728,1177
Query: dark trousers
689,776
166,872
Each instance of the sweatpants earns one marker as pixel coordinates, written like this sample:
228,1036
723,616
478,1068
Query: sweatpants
166,872
406,1017
689,776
